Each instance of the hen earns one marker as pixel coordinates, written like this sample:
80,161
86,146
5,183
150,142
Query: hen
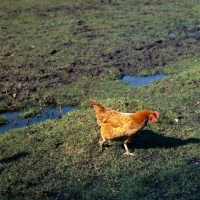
118,126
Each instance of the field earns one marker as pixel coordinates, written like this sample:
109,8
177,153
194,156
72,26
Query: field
57,53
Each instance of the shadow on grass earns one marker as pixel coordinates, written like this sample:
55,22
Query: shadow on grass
149,139
15,157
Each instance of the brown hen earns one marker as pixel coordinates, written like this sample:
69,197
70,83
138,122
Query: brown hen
118,126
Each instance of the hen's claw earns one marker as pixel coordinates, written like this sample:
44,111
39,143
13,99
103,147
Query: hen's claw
129,154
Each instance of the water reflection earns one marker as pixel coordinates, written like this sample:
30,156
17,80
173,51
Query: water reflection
48,113
171,33
142,80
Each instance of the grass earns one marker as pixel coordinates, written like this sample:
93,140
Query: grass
3,120
32,112
60,159
74,63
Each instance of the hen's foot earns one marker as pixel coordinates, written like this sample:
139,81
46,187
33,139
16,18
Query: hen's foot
100,149
129,154
101,145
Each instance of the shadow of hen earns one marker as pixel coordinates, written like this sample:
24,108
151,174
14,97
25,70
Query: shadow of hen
149,139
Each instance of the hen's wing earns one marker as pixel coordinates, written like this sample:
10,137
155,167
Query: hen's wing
119,126
120,120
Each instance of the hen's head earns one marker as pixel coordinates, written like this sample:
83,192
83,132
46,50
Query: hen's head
153,116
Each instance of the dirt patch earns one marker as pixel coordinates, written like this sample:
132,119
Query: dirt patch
148,56
26,81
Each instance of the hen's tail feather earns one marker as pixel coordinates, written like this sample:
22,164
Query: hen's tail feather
99,111
96,106
94,103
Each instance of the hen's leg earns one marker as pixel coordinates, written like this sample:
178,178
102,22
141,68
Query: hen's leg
128,153
101,142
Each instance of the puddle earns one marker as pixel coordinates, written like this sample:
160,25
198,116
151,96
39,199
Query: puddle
141,80
48,113
191,30
195,33
171,33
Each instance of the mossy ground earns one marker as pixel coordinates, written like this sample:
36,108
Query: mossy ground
78,61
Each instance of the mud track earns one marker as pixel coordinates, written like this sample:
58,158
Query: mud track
52,75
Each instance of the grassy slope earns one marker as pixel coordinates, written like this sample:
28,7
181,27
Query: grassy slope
60,158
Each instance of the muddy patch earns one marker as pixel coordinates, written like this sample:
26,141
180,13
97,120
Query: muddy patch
27,78
27,71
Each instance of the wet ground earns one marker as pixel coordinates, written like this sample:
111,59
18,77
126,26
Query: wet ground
40,64
49,113
55,113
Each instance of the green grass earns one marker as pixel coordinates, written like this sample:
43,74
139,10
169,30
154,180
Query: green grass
60,159
3,120
32,112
